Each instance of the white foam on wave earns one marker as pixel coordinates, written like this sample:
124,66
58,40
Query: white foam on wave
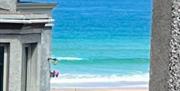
70,58
95,79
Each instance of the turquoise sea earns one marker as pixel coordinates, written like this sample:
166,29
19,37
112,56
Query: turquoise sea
102,43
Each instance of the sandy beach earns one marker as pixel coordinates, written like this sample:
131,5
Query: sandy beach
101,89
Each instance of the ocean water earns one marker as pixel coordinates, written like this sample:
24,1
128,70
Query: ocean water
102,43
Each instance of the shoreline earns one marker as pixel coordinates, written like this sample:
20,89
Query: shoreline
100,89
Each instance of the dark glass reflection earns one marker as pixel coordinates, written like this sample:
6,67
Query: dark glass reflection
1,67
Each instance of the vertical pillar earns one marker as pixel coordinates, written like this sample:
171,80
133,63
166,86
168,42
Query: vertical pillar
15,70
160,48
45,54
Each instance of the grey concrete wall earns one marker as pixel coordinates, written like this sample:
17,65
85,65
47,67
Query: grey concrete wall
15,75
19,34
45,54
17,39
160,45
9,5
15,66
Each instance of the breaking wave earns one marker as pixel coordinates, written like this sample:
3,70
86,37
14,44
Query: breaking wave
70,58
79,78
95,81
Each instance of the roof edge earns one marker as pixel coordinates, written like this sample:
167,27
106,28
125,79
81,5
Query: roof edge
26,21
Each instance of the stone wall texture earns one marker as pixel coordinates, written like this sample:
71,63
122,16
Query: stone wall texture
174,55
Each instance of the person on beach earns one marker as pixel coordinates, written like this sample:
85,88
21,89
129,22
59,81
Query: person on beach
51,73
54,74
57,74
